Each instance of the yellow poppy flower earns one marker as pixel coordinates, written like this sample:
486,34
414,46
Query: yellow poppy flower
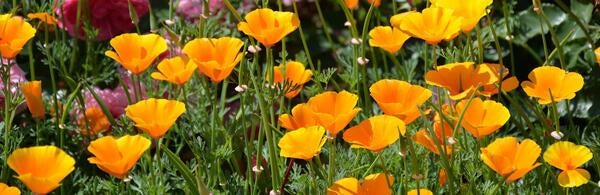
301,116
387,38
334,110
568,157
372,184
267,26
471,11
41,168
32,91
136,52
511,159
14,34
399,98
216,58
549,82
460,79
423,138
397,19
597,52
432,25
9,190
49,22
420,191
303,143
117,156
177,70
351,4
96,121
296,76
508,84
482,118
375,133
155,116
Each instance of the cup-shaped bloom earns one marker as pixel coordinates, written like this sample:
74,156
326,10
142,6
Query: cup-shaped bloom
372,184
9,190
442,132
216,58
301,116
351,4
420,191
568,157
136,52
375,133
460,79
303,143
41,168
117,156
269,27
155,116
482,118
471,11
501,74
387,38
399,98
334,110
511,159
549,83
14,34
597,52
397,19
32,90
296,76
177,70
432,25
97,121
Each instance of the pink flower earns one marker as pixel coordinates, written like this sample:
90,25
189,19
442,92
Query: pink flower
16,76
110,17
192,9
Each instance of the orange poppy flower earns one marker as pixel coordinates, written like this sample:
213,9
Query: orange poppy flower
420,191
387,38
508,84
269,27
14,34
482,118
397,19
568,157
32,91
136,52
511,159
471,11
9,190
117,156
155,116
597,52
41,168
96,121
334,110
301,116
423,138
216,58
552,83
460,79
296,76
399,98
351,4
375,133
375,3
49,22
304,143
372,184
177,70
443,178
432,25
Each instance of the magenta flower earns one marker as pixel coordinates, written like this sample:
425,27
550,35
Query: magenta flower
192,9
16,76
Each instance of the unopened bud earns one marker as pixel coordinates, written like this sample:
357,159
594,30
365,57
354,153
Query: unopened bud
451,140
557,135
274,192
348,24
241,88
254,48
169,22
257,169
362,60
356,41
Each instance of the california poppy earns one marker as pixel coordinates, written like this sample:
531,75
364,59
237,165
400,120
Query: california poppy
568,157
387,38
136,52
460,79
267,26
399,98
14,34
375,3
95,119
301,116
420,191
334,110
372,184
9,190
511,159
117,156
482,118
552,83
501,74
471,11
442,177
396,20
155,116
375,133
32,91
49,22
432,25
177,70
442,132
303,143
351,4
296,76
41,168
597,52
216,58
